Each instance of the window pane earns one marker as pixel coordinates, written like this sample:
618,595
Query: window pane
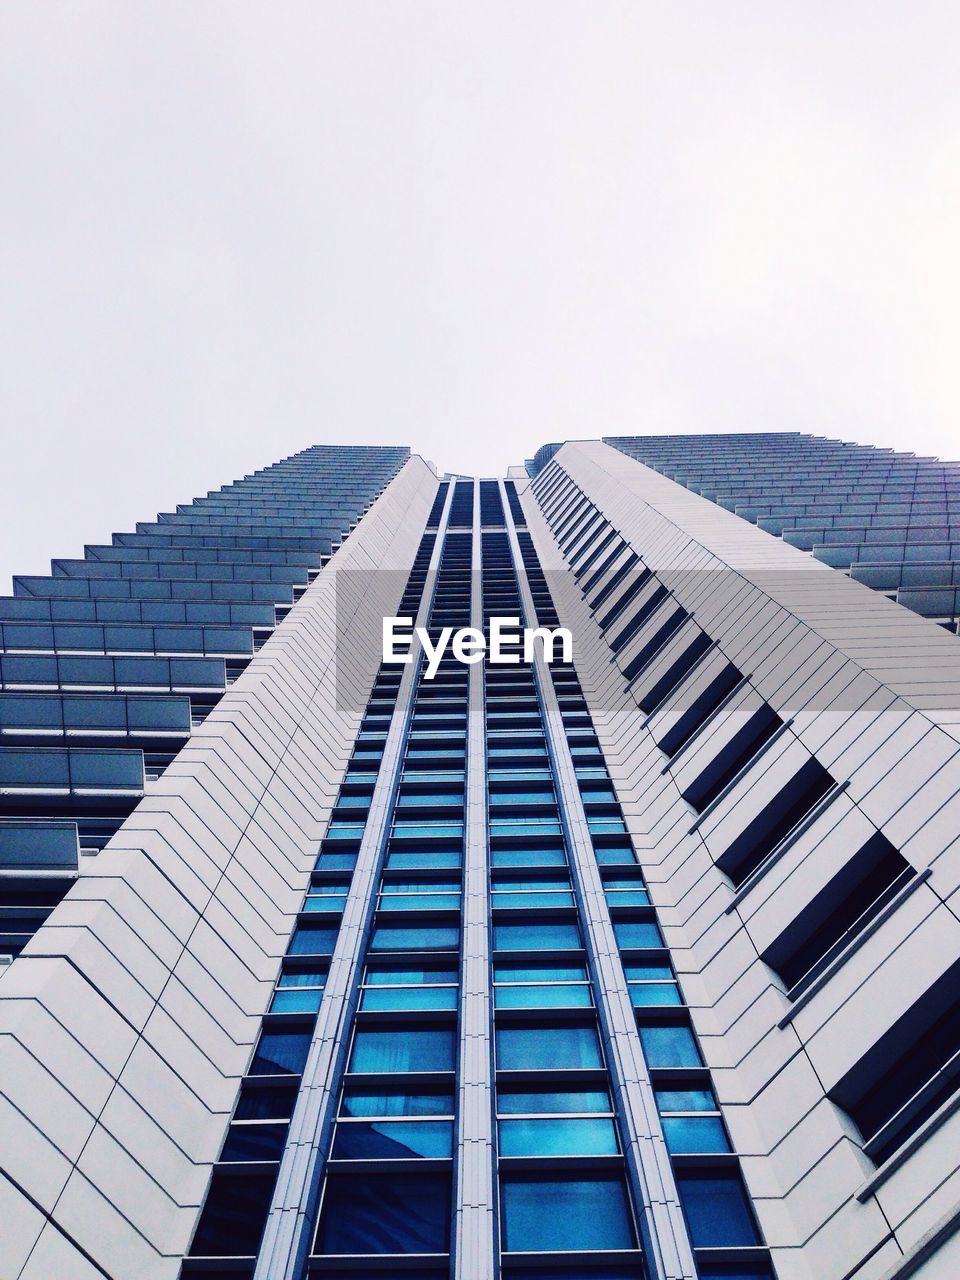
536,937
669,1046
258,1102
637,934
401,1049
585,1213
394,1140
280,1053
716,1208
648,994
312,940
302,978
685,1100
566,995
367,1102
527,1101
694,1134
254,1142
401,1213
558,1137
545,1048
306,1000
510,971
383,999
234,1215
381,975
394,937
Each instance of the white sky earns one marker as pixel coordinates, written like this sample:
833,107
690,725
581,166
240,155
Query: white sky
229,230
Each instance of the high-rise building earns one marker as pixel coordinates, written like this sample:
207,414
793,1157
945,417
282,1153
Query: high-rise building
640,965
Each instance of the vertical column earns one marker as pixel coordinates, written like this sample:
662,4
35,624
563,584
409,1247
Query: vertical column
666,1244
474,1243
286,1238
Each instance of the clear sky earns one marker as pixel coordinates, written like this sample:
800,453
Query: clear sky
231,229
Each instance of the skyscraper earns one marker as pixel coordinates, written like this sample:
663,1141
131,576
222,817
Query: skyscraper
644,964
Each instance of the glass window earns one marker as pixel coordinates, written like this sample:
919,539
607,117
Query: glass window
551,1101
547,1048
233,1215
716,1208
415,987
549,936
297,1000
586,1212
260,1102
403,1049
393,1140
694,1134
637,935
422,859
652,984
343,861
669,1046
593,1136
545,856
385,1213
247,1142
312,940
394,937
362,1103
280,1053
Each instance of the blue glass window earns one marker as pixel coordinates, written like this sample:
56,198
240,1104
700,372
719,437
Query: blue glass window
637,934
254,1142
669,1046
547,1048
363,1102
438,937
539,857
586,1212
595,1135
694,1134
716,1208
386,1214
280,1053
312,940
393,1140
551,1101
403,1049
548,936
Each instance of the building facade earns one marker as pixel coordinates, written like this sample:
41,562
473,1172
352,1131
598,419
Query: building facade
645,964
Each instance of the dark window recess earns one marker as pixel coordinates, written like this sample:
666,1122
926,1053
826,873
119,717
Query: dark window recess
600,542
700,710
728,762
514,500
909,1073
639,579
433,520
602,568
842,910
234,1215
636,622
676,672
775,821
618,577
491,506
663,634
